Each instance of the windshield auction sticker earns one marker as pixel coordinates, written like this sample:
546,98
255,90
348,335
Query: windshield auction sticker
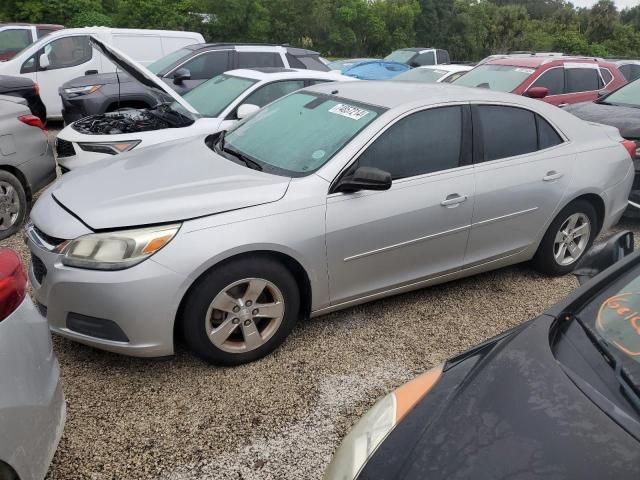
525,70
618,322
349,111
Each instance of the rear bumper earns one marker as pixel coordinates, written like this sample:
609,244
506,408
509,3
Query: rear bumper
32,405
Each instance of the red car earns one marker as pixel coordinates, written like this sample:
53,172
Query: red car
559,80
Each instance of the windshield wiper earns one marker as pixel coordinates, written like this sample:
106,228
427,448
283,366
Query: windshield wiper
249,162
629,389
222,149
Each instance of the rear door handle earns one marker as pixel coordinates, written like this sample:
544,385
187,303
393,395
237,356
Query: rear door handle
563,105
551,176
453,200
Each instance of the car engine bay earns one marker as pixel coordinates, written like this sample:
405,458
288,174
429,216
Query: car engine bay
131,121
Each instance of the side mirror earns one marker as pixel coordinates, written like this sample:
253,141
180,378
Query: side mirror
537,92
44,61
603,93
365,178
180,75
603,255
246,110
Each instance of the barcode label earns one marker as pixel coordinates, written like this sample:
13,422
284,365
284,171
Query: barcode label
349,111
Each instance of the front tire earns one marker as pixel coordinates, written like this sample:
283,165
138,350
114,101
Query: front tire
567,239
241,311
13,204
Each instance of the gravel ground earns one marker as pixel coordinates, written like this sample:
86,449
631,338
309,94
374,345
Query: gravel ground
283,416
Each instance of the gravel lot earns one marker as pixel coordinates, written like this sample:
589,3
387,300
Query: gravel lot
281,417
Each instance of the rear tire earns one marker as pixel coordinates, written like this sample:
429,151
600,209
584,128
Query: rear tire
13,204
241,311
567,239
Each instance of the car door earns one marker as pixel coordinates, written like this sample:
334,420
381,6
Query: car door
69,57
202,67
582,81
523,167
378,240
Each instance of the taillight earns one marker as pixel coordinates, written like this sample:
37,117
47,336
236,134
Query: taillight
13,282
36,89
32,121
631,148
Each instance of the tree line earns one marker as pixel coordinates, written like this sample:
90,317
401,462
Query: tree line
469,29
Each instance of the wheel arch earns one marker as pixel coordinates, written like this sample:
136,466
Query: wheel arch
294,266
16,172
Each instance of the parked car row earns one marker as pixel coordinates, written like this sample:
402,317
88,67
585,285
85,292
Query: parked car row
265,196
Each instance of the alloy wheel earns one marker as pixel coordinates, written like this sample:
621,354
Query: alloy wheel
245,315
9,206
572,239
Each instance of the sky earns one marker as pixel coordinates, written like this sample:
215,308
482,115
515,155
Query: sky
619,3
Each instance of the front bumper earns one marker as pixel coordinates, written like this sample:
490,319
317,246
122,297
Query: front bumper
32,405
88,306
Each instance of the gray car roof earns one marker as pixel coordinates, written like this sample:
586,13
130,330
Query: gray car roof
390,94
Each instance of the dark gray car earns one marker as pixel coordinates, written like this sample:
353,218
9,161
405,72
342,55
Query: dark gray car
183,70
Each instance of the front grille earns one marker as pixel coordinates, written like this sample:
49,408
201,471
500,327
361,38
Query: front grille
39,269
64,148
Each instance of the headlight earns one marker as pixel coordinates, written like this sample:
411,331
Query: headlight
116,250
367,435
78,91
110,148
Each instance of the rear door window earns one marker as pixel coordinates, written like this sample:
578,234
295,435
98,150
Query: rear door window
505,131
553,80
442,56
582,80
424,142
259,60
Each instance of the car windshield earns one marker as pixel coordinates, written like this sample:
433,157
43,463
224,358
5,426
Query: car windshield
503,78
168,60
628,95
213,96
615,316
299,133
400,56
427,75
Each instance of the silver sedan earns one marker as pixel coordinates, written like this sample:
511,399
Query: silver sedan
32,406
329,197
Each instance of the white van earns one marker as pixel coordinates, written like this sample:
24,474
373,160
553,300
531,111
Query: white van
68,54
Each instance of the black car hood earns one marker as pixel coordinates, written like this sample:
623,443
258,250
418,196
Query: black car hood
98,79
9,83
513,414
625,119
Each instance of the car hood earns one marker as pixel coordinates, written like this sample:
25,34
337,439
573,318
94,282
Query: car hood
625,119
98,79
140,73
507,410
168,182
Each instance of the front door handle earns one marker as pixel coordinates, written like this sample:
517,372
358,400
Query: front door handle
562,105
453,200
551,176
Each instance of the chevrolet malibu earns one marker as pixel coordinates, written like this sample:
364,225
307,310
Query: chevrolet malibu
331,196
555,398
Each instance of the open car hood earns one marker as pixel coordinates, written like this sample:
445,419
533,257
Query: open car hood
139,72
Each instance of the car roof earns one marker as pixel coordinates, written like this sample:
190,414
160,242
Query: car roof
20,24
535,61
228,45
390,94
270,74
447,67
